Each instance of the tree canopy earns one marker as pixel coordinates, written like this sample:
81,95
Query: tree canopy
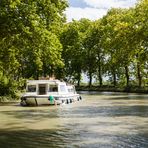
29,43
113,47
36,41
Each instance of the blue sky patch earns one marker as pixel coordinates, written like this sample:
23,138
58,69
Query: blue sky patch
78,3
94,9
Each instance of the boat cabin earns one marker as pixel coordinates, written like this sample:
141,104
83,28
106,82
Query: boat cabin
47,87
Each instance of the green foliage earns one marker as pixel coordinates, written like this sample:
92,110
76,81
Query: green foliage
114,46
9,87
29,44
73,49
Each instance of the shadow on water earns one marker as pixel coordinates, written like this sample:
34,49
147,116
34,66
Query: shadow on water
70,138
116,95
101,93
34,114
108,111
7,103
32,138
81,112
130,97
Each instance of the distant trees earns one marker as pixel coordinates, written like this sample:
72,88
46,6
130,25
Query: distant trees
72,39
114,46
140,40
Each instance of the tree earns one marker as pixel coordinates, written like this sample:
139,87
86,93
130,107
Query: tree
28,34
73,49
94,52
140,39
118,42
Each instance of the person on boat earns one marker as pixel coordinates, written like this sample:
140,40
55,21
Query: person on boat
52,100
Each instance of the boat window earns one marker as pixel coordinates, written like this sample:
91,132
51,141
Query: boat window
31,88
42,89
62,88
53,88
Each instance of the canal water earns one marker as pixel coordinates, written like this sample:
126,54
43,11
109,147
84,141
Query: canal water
100,120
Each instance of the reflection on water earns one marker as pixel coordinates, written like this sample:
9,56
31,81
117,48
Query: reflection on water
101,120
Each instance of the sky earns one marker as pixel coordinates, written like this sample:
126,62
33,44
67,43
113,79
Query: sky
94,9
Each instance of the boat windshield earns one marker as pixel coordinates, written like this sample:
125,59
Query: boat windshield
71,89
62,88
31,88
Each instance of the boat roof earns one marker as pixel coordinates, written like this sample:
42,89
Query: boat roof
43,81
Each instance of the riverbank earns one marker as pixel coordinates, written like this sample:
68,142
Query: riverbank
113,89
142,90
8,99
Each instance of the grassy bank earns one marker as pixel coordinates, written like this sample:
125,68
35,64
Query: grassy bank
130,89
6,98
10,98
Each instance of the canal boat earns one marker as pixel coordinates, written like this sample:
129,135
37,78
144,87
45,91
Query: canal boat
49,92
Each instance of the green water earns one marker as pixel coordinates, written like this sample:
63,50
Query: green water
101,120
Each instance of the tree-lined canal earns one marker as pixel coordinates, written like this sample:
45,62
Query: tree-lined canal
100,120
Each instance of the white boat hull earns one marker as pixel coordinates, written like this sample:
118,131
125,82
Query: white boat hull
44,100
